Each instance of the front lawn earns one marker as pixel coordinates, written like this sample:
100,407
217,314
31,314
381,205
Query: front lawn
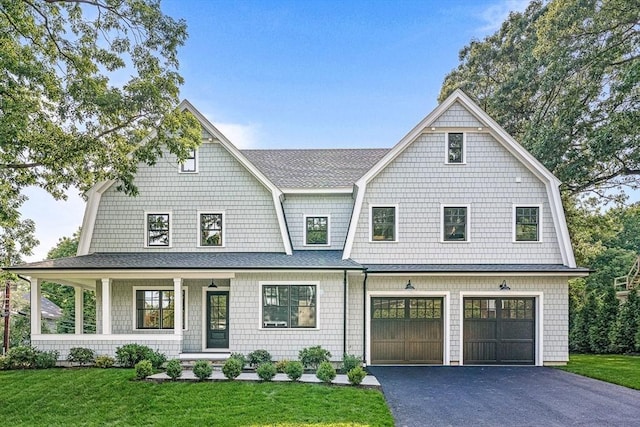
88,396
612,368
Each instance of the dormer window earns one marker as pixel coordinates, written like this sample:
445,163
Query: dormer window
316,231
455,149
190,164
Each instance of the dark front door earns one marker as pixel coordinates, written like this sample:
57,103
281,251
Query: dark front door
217,319
499,331
406,330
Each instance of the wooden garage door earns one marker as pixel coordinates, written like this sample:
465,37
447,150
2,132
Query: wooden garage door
406,330
499,331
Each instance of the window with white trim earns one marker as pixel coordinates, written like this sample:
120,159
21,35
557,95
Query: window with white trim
211,229
190,164
316,230
527,224
384,223
455,148
158,229
455,224
289,306
155,309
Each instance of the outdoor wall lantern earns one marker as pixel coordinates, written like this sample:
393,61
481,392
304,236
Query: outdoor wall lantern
504,286
409,286
213,285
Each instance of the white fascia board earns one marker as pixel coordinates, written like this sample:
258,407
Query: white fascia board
359,190
90,212
332,190
560,223
275,191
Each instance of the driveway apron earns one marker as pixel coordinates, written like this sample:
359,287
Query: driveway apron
503,396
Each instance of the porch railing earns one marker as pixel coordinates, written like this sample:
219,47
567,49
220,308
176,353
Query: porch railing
631,280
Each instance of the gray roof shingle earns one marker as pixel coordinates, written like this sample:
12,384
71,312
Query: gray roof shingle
326,168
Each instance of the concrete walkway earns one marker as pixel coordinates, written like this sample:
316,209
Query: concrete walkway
187,375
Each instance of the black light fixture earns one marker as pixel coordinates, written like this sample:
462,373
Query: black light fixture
213,285
409,286
504,286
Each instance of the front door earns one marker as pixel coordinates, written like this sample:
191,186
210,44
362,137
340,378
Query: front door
218,319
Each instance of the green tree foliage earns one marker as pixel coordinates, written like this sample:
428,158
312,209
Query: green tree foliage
562,78
623,335
606,315
579,335
82,85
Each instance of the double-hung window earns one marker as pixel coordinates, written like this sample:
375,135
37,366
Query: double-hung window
316,230
455,148
190,164
158,227
289,306
455,224
211,229
527,223
155,309
384,223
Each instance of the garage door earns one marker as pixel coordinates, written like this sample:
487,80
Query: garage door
499,331
406,330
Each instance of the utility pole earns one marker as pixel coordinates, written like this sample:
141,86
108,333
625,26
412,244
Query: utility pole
6,312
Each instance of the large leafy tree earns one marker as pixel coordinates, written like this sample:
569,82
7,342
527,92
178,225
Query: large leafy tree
563,78
88,90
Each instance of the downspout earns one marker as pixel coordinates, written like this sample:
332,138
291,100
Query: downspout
344,313
364,318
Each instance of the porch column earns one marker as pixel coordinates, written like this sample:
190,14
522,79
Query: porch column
177,306
106,306
79,308
36,322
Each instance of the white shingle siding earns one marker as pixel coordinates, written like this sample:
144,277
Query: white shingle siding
490,183
337,207
221,183
457,116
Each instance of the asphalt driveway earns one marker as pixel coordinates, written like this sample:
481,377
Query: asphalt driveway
503,396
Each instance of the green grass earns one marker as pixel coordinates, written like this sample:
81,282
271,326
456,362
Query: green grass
612,368
110,397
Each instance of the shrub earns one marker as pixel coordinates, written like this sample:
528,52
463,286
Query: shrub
232,368
144,368
202,370
4,363
241,357
156,358
21,357
281,365
45,359
326,372
174,369
349,362
81,355
312,357
266,371
104,361
294,370
258,357
130,354
356,375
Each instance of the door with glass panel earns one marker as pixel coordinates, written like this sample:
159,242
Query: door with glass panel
217,319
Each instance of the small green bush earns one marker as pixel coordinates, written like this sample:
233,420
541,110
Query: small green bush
294,370
349,362
4,363
103,361
81,355
21,357
232,368
46,359
241,357
130,354
174,369
356,375
326,372
157,359
281,366
258,357
266,371
144,368
312,357
202,370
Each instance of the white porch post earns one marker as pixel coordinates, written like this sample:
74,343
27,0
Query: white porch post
36,322
106,306
79,308
177,308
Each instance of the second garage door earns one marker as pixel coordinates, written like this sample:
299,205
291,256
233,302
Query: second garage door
499,331
406,330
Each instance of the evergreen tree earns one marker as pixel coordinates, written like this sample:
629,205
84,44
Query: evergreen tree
600,328
623,336
579,337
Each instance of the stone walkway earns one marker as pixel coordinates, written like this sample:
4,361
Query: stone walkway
187,375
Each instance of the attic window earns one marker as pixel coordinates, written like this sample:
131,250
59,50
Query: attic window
190,164
455,148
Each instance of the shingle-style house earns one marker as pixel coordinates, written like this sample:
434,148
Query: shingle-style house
449,248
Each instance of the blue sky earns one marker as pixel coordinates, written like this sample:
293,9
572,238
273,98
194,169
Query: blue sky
308,74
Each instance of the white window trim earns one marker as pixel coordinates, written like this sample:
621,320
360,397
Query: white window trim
224,227
468,225
159,288
196,158
146,229
539,334
304,231
464,148
396,222
261,284
513,222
